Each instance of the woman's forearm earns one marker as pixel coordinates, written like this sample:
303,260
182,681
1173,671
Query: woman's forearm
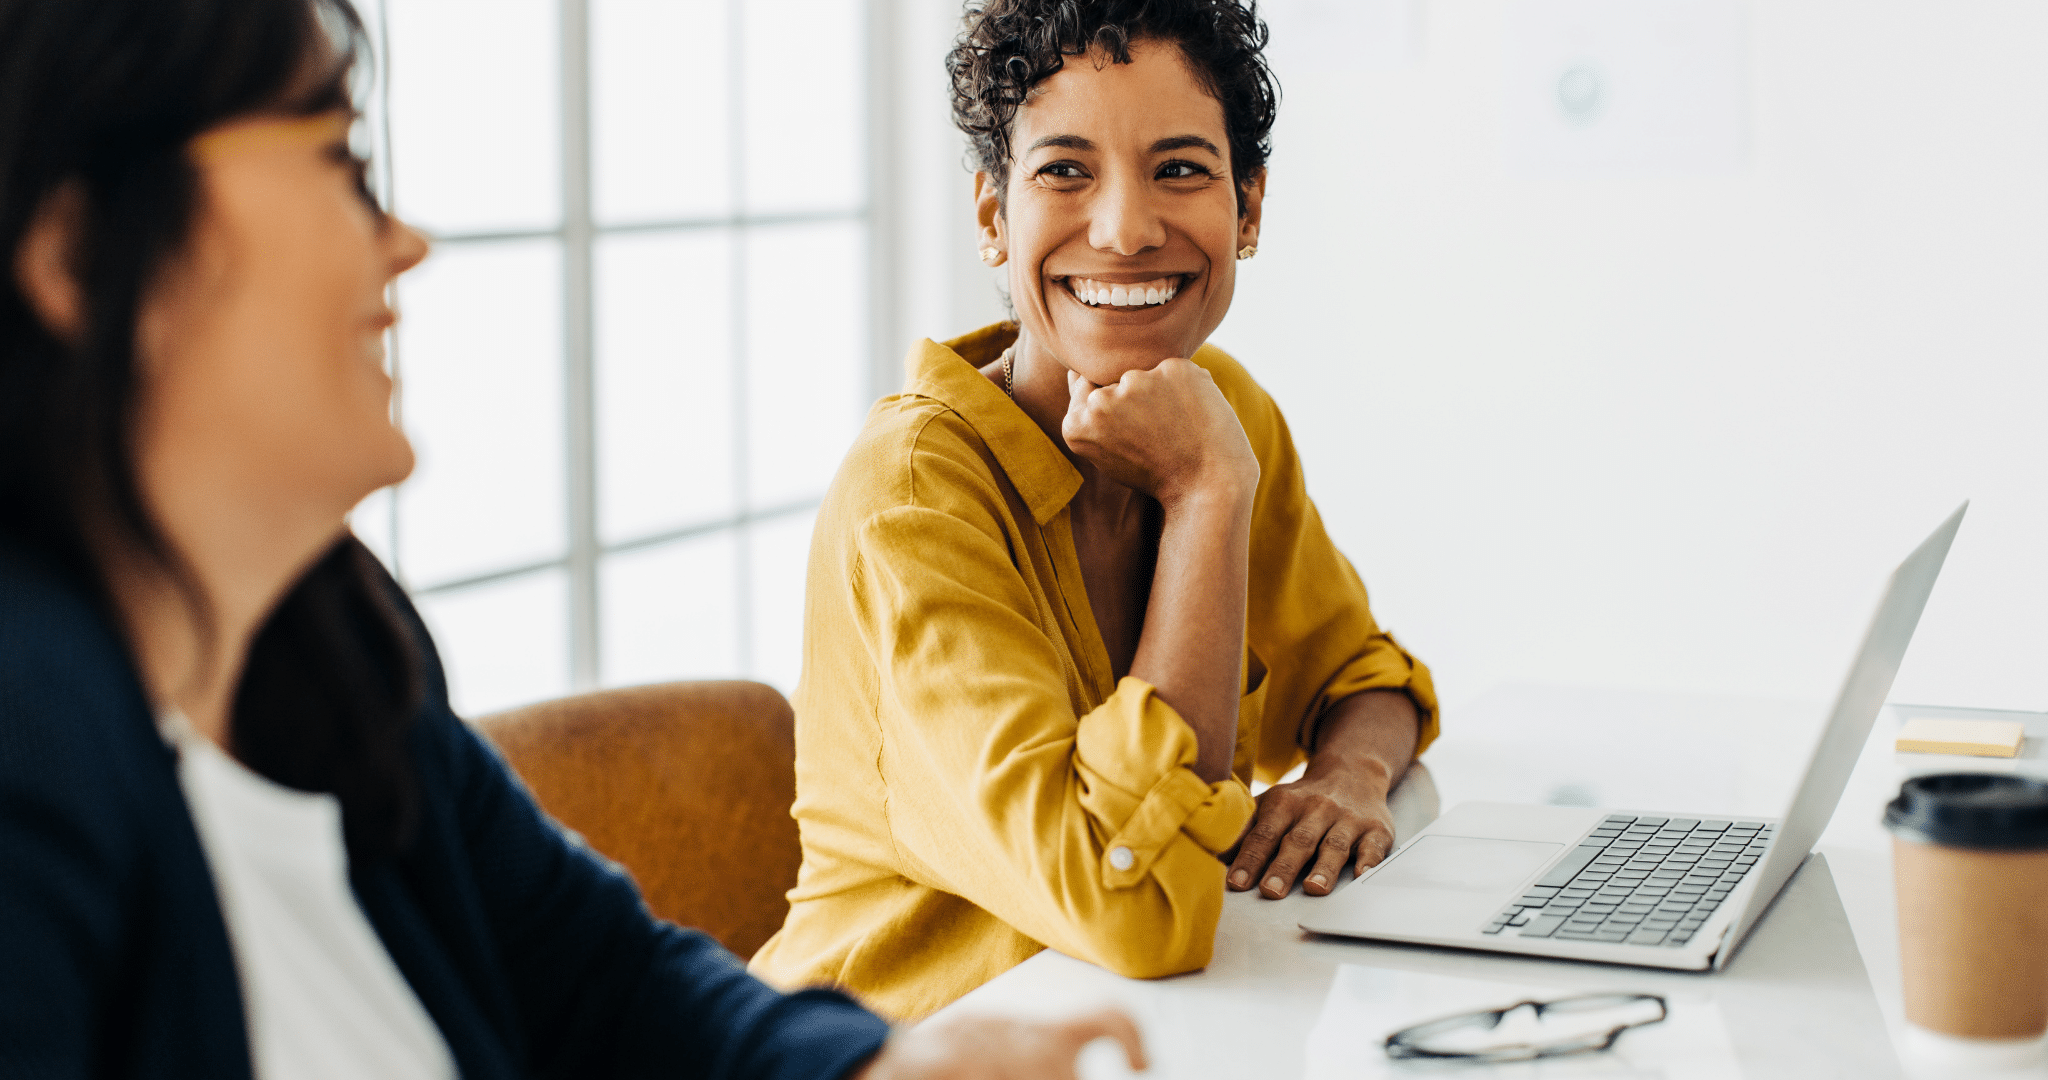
1192,647
1371,734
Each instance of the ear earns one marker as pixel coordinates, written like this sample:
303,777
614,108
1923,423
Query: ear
988,212
46,265
1254,195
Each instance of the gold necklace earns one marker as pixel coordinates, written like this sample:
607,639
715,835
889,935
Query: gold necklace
1009,380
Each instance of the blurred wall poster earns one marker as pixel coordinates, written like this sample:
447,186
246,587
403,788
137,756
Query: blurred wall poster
1326,36
1626,86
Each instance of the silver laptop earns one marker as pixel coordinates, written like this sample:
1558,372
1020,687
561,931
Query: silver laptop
1643,887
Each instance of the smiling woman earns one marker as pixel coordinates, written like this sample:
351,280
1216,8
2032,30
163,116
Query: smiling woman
1068,594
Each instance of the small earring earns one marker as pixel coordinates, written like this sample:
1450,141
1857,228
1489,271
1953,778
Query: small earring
992,256
1247,252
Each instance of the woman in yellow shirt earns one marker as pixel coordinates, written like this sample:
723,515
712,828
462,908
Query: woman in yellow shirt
1068,595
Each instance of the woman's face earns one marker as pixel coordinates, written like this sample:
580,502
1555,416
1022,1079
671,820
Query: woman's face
262,344
1121,220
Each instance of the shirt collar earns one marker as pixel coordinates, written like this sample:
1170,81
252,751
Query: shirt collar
949,374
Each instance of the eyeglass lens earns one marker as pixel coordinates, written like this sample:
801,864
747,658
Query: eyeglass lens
1531,1029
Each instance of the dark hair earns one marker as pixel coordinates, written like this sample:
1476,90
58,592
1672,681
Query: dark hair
101,98
1010,46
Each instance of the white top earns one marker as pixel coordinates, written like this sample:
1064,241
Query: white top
322,996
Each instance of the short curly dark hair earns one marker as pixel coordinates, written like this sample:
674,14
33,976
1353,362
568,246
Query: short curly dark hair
1010,46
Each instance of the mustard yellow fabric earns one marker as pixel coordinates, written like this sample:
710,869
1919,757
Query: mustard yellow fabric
972,785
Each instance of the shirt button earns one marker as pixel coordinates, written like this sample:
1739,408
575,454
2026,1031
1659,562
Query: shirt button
1121,858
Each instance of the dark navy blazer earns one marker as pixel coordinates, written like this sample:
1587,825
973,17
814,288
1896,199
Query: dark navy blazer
534,955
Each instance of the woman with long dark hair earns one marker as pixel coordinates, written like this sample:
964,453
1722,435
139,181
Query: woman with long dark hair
241,834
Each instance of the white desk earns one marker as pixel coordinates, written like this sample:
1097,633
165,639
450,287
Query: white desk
1813,993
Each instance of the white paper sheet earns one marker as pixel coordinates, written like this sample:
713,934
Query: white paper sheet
1365,1005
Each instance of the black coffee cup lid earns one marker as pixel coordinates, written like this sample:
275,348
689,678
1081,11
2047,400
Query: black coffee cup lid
1971,810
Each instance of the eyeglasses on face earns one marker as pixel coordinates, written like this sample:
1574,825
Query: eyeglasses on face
1573,1025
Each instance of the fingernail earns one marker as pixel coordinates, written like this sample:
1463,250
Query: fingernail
1275,884
1239,878
1318,880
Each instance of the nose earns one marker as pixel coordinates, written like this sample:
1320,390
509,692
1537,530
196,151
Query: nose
1124,221
408,246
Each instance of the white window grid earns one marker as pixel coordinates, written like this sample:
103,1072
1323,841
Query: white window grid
577,237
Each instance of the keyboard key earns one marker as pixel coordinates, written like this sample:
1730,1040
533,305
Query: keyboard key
1535,898
1712,826
1521,919
1683,824
1679,937
1651,821
1619,819
1543,927
1494,929
1646,937
1622,918
1746,826
1569,866
1565,903
1614,936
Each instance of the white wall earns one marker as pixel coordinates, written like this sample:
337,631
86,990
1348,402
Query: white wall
1666,432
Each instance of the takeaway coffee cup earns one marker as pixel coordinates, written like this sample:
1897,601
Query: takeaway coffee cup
1971,857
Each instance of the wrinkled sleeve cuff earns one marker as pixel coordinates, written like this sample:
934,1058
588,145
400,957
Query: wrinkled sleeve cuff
1138,756
1388,667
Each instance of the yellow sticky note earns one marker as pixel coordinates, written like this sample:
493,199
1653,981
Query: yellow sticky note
1977,738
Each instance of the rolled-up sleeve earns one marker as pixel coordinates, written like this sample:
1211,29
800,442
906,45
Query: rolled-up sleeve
1087,829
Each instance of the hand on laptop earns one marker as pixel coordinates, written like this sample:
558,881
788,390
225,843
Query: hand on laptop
1337,812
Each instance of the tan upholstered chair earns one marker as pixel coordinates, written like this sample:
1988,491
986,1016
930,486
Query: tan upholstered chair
687,785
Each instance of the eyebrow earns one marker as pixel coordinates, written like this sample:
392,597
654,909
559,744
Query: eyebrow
1163,146
1064,142
1185,142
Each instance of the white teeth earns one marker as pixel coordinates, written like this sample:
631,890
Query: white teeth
1105,294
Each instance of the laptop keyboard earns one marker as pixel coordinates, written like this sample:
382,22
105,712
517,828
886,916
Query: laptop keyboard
1639,881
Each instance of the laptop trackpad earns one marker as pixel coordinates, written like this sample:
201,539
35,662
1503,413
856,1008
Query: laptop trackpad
1466,864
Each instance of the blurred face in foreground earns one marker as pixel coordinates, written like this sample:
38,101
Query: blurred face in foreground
1121,222
262,346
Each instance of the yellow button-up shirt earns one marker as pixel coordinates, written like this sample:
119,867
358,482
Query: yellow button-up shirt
973,785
